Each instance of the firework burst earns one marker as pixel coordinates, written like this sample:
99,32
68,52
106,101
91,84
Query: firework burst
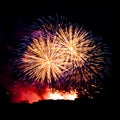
88,59
75,44
42,60
63,54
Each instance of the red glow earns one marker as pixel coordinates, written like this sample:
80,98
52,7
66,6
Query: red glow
21,93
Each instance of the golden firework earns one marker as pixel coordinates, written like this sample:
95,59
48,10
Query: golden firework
42,60
75,45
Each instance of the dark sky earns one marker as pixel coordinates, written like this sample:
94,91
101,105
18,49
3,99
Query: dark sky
98,17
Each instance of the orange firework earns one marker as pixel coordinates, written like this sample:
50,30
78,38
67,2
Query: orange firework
42,60
63,56
75,44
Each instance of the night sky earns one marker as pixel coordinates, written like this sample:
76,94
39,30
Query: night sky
99,18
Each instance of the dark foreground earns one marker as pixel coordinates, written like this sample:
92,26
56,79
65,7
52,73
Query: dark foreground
56,109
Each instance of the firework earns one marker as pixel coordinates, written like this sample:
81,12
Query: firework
87,58
75,44
42,60
64,54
